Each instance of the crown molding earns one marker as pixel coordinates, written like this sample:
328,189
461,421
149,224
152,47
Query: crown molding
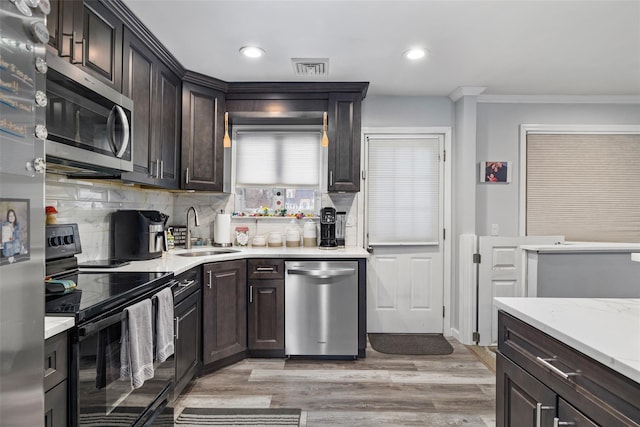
559,99
466,91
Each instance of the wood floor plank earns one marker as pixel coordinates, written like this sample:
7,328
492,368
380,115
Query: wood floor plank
379,390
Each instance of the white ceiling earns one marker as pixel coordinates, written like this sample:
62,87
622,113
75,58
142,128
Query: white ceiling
561,47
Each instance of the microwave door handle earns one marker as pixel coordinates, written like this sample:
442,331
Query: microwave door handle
111,133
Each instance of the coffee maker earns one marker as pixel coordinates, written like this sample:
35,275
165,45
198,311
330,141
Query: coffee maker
137,235
328,228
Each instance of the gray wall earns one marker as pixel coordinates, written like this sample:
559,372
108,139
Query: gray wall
498,138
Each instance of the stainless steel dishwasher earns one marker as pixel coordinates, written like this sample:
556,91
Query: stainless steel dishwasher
321,308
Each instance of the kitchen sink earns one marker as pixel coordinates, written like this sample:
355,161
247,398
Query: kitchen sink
209,252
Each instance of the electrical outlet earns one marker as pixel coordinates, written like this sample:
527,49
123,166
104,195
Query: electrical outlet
494,230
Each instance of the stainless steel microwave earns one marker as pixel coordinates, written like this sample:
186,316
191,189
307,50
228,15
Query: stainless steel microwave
89,124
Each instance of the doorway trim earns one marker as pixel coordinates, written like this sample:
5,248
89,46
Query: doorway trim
447,219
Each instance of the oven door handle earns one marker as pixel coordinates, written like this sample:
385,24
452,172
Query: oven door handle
93,327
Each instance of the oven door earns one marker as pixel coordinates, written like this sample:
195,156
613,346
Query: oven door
102,398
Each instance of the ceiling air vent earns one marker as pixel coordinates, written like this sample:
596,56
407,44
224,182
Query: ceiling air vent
310,67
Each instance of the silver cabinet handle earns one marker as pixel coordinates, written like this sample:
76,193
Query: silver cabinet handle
161,169
265,269
177,320
558,423
157,174
187,177
330,178
547,363
539,409
210,282
250,294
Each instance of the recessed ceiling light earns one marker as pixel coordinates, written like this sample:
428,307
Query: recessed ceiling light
415,53
251,51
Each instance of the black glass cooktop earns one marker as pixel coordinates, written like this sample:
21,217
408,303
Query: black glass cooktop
99,292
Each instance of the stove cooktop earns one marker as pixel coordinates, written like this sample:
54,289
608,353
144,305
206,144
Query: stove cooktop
99,292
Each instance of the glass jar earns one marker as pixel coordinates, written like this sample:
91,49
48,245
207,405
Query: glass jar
242,236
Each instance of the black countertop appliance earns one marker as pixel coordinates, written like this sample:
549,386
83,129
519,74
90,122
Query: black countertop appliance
137,235
328,228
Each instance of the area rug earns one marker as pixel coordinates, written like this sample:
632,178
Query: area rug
239,417
410,344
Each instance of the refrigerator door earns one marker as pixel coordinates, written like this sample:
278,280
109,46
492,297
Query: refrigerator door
22,92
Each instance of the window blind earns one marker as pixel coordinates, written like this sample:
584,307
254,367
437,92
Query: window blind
277,158
403,182
583,186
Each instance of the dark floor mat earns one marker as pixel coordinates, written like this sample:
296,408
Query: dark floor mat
414,344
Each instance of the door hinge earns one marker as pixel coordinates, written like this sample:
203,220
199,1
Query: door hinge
364,174
443,310
444,156
476,337
444,234
477,259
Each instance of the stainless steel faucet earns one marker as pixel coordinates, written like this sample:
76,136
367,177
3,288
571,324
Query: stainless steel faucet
187,244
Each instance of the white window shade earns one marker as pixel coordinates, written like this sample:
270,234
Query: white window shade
403,182
277,159
584,186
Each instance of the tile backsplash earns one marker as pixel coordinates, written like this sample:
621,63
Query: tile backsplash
89,204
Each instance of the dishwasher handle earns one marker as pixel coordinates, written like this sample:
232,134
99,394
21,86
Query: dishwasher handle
322,274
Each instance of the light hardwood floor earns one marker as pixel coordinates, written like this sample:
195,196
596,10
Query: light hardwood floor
380,390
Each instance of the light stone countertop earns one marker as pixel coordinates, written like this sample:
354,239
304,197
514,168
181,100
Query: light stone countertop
605,329
172,261
53,325
569,247
635,257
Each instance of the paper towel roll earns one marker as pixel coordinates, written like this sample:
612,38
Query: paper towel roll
222,229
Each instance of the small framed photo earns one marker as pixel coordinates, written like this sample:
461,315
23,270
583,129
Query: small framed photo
495,171
14,223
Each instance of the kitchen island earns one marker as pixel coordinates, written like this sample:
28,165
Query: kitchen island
568,360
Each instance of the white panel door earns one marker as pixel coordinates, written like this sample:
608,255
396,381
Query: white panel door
501,274
404,217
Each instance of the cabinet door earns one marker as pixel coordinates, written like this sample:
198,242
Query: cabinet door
138,84
187,340
224,308
521,400
570,416
344,142
55,406
167,103
266,315
65,29
202,132
102,44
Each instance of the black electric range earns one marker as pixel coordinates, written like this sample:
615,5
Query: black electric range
95,292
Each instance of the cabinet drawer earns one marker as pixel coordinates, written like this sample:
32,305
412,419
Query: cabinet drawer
55,360
603,394
266,269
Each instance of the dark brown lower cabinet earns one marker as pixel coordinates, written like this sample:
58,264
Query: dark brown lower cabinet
187,340
542,382
266,307
224,310
266,315
55,381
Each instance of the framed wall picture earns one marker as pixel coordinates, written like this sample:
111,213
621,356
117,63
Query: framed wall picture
14,220
495,171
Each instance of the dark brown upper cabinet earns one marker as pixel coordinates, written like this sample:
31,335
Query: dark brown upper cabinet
203,109
344,142
156,92
90,36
